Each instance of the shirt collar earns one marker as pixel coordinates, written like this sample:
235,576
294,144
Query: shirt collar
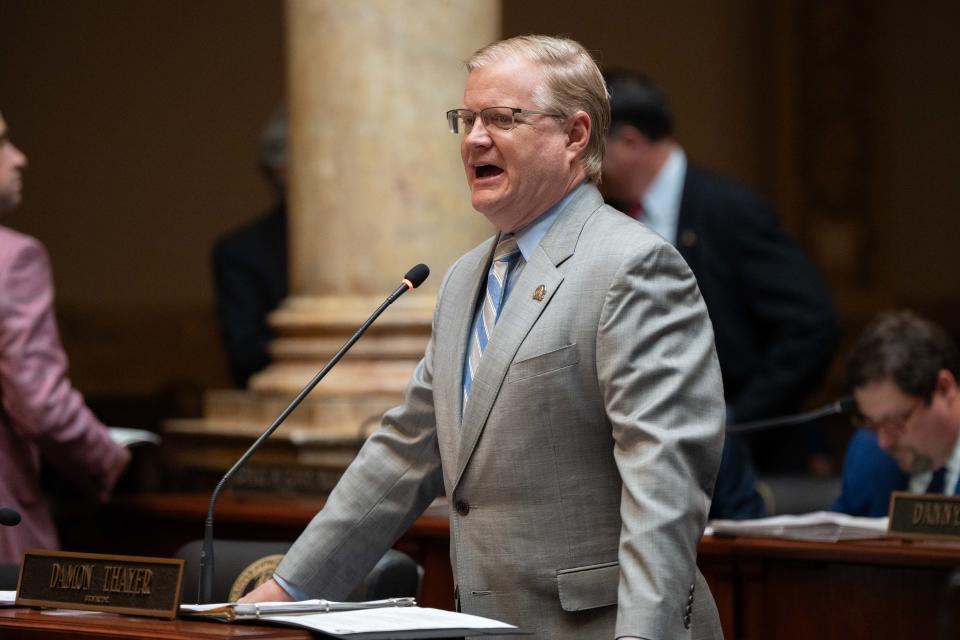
920,481
661,201
529,238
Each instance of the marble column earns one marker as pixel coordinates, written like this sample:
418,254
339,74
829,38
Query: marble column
375,186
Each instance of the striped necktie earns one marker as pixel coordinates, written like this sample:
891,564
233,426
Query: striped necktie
504,257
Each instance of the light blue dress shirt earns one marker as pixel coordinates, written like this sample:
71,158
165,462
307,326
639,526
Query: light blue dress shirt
661,201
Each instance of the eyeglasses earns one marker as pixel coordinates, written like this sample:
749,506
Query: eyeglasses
502,118
892,425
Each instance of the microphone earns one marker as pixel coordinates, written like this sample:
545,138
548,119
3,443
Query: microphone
413,279
9,517
846,405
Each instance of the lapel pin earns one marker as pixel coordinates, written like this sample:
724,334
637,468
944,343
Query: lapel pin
539,293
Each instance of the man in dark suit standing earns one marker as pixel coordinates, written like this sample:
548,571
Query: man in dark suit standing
774,322
250,266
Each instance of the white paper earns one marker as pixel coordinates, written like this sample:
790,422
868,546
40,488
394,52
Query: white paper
128,437
389,619
826,526
192,608
8,598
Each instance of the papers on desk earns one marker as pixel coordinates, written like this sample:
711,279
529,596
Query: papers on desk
8,598
370,620
823,526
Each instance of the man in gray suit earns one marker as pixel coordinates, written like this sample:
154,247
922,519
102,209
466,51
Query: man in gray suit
569,401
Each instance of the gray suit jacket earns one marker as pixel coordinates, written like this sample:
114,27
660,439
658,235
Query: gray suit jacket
582,468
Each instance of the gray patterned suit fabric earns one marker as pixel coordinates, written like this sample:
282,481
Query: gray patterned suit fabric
587,453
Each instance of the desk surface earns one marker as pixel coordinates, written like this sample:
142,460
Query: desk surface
883,551
57,624
764,587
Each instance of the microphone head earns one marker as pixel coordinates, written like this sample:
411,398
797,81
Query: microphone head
417,275
847,405
9,517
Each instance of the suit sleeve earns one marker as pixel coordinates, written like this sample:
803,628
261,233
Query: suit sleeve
663,394
393,479
37,396
792,314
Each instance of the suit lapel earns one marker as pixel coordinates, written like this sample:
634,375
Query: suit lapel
520,313
459,311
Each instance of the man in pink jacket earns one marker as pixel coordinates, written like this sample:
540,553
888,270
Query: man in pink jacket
42,417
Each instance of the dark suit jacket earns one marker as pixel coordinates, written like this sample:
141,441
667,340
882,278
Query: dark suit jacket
775,326
773,320
250,274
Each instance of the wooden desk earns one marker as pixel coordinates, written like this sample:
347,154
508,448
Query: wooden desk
785,589
159,524
71,625
764,588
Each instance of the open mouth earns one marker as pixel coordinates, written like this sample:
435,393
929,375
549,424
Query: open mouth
487,171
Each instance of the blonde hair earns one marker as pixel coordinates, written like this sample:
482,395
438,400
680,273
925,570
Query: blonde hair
571,82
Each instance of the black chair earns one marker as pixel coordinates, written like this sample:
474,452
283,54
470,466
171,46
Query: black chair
242,565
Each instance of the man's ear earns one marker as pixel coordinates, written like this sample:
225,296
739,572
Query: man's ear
578,133
946,384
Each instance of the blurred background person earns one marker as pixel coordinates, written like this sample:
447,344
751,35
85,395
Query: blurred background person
774,323
903,372
43,419
250,266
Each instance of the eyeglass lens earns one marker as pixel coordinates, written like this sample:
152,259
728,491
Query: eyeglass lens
462,120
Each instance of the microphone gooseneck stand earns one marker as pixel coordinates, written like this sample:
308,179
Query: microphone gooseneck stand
414,278
841,406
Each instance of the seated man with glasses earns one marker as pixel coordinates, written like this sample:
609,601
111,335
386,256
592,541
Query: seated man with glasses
903,372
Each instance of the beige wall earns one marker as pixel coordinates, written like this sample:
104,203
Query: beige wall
705,55
917,187
141,120
141,117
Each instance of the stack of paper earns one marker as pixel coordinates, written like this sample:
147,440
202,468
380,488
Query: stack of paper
373,620
825,526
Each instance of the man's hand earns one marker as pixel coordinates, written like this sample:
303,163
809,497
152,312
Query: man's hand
269,591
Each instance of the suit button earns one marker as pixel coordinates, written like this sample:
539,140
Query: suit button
462,507
686,622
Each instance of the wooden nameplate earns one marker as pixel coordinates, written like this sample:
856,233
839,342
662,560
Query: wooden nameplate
924,515
97,582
